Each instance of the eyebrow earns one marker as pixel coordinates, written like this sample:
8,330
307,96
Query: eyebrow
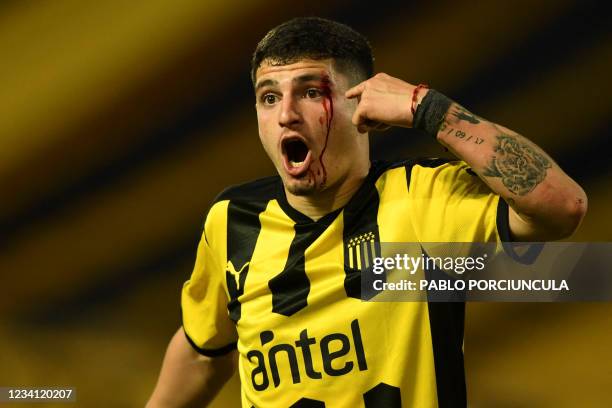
265,82
301,79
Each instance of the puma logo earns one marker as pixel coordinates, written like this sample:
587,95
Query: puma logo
231,269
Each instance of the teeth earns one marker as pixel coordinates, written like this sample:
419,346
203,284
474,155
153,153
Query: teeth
295,164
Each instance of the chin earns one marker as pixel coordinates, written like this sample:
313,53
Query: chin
301,189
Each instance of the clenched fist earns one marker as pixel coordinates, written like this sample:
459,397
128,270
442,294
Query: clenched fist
384,101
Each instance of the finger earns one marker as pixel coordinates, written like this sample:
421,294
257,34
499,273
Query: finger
374,126
381,127
359,117
368,126
355,91
360,120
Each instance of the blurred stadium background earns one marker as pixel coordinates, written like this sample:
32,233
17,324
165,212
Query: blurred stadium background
120,121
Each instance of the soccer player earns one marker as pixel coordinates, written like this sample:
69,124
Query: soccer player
276,286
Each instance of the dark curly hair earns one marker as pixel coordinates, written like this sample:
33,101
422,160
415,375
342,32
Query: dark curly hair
316,38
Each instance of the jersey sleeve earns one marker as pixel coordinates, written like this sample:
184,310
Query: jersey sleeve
204,296
452,204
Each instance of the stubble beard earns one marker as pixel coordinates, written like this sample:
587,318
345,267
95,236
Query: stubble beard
304,187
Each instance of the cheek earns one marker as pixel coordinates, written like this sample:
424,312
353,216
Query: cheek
265,127
266,141
268,145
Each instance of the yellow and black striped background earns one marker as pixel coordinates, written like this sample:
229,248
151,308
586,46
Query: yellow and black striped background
120,121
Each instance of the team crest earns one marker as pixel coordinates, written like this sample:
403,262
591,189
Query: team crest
361,251
359,254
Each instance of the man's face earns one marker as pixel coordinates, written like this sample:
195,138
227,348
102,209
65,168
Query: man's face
305,124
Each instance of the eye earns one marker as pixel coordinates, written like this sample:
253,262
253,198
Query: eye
269,99
313,93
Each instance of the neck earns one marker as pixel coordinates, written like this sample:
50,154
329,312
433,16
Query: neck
322,203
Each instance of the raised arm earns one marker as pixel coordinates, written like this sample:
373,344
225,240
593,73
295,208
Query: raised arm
187,378
545,203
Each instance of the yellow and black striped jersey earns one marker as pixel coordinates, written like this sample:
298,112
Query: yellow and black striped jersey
286,291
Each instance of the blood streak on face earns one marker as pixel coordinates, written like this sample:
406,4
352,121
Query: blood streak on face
328,105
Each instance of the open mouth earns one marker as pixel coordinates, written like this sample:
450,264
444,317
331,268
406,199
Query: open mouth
296,156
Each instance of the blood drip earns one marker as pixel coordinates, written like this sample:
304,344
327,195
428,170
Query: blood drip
328,105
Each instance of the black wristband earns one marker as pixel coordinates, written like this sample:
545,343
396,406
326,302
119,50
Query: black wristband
430,112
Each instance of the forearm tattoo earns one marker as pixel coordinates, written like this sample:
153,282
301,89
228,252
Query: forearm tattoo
463,114
519,165
456,114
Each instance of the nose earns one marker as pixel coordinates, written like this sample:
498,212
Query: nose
289,114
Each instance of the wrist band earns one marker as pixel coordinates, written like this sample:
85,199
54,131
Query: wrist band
415,94
430,112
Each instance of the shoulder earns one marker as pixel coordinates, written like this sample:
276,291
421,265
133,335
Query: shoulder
419,167
262,189
444,177
236,202
251,196
381,167
439,169
429,174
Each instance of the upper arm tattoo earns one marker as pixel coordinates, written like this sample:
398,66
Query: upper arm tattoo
519,165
